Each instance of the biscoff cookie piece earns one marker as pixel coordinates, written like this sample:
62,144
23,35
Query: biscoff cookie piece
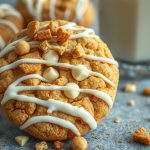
58,88
11,22
80,11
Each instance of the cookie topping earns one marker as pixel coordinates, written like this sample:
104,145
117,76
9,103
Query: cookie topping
51,74
79,74
51,56
72,90
21,140
22,48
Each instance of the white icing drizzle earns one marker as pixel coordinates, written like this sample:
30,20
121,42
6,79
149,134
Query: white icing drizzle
52,9
80,9
8,10
2,42
9,24
50,119
53,105
46,62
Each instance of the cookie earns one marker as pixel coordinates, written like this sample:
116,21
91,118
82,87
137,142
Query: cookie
61,83
10,23
80,11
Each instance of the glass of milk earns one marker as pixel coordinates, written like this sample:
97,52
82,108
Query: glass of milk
125,27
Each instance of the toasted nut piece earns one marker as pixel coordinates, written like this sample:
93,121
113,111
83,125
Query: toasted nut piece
142,136
70,92
62,35
130,87
21,140
41,146
146,91
43,35
80,74
79,143
51,74
51,56
22,48
131,102
78,51
58,145
33,28
117,120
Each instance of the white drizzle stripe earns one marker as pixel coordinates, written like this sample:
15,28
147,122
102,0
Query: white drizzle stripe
80,9
96,93
52,9
2,42
10,25
46,62
38,10
9,11
101,59
50,119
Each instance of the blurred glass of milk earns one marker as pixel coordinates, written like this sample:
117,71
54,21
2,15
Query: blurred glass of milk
125,27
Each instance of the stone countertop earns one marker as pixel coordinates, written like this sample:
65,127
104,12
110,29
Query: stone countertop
108,135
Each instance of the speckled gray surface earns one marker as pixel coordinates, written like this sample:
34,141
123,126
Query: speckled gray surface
108,133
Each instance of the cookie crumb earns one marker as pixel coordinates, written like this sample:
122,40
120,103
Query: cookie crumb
142,136
41,146
130,87
79,143
146,91
131,102
58,145
21,140
117,120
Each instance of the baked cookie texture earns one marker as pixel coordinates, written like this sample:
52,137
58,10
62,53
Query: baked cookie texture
79,11
11,22
57,80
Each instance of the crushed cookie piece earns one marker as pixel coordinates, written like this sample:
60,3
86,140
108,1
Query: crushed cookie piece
131,102
21,140
79,143
117,120
62,35
146,91
33,28
58,145
22,48
12,56
130,87
142,136
44,46
78,51
43,35
41,146
52,26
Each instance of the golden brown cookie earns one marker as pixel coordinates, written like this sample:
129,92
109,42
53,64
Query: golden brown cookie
60,87
10,23
80,11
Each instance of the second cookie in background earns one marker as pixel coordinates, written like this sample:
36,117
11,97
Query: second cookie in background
79,11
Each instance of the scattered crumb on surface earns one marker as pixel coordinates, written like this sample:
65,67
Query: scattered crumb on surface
130,87
96,137
117,120
146,91
58,144
21,140
79,143
41,146
142,136
131,102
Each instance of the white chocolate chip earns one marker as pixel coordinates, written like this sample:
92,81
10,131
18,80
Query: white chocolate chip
51,74
70,92
51,56
21,140
130,87
80,74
